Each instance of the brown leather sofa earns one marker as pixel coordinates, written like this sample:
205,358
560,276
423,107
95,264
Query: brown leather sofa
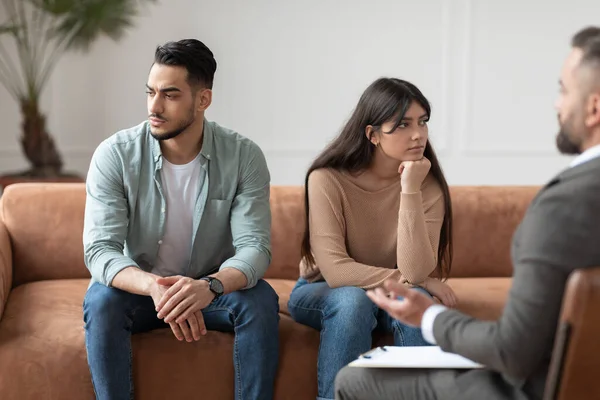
43,282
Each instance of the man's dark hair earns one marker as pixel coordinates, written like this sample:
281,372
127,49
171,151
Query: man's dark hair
588,40
192,54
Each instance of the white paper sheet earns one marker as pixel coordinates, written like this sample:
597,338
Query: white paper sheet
412,357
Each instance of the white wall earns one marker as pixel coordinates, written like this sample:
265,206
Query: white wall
290,72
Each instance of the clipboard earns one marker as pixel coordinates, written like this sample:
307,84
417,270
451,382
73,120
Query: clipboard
432,357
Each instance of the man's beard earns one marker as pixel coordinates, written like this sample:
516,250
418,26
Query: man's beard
175,132
565,141
565,145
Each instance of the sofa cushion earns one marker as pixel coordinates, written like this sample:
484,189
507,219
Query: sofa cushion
42,342
482,298
41,335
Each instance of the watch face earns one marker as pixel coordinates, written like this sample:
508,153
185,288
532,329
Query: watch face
216,285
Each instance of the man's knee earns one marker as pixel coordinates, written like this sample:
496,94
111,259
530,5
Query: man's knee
104,304
265,292
259,302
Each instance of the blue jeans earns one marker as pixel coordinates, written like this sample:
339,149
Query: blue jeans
112,315
346,318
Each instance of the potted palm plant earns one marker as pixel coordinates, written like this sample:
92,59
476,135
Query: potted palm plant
41,31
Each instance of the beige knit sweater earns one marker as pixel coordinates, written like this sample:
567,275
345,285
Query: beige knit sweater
358,237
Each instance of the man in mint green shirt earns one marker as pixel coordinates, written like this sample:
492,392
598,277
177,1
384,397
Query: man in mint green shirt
177,232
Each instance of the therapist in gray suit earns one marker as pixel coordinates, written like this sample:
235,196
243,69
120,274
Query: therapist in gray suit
559,233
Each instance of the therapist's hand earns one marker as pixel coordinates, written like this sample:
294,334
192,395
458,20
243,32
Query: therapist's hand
410,310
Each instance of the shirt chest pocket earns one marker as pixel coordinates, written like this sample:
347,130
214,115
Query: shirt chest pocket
215,224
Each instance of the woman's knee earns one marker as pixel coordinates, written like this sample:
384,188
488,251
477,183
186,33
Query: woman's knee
351,307
320,306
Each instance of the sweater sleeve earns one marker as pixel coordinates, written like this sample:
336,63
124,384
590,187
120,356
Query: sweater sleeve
328,238
419,227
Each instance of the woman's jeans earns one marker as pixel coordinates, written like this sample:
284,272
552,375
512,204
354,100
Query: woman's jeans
346,318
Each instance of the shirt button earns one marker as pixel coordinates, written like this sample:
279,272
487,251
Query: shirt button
162,210
160,242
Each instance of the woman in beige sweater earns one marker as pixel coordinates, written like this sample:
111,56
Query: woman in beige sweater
377,207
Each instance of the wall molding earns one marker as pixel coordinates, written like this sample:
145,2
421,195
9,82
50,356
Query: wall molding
467,125
441,140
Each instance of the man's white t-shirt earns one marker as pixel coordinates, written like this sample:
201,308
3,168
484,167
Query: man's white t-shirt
181,185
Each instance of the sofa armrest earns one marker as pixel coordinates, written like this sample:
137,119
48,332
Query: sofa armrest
6,265
573,372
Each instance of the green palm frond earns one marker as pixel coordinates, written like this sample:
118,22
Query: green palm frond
55,7
44,29
82,21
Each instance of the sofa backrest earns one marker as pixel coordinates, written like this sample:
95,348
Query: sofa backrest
287,230
45,223
484,220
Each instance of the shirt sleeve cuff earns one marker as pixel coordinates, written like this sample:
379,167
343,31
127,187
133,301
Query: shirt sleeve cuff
251,262
427,322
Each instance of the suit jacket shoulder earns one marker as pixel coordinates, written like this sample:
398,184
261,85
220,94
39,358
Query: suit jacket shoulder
565,214
558,234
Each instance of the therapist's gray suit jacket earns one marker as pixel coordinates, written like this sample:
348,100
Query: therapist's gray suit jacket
559,233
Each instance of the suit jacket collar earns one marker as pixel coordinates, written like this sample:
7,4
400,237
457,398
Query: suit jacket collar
592,165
